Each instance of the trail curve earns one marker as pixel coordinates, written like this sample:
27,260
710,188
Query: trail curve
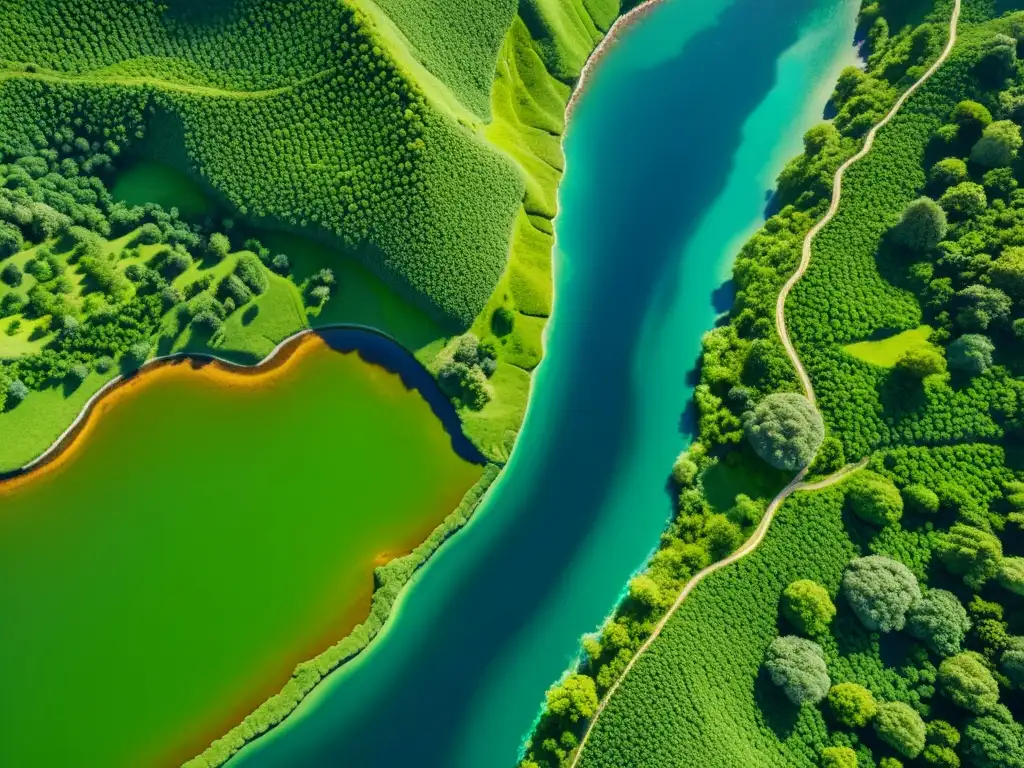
797,484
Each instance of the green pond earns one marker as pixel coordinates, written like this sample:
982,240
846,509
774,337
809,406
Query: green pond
206,532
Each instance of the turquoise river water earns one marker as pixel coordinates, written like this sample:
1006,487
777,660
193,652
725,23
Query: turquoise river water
670,156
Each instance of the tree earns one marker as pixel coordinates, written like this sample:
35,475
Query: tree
874,499
964,200
880,591
920,500
900,727
948,172
1011,663
1007,272
785,429
807,606
971,353
11,240
994,741
967,682
998,144
12,275
971,115
797,665
922,361
838,757
503,321
16,392
574,699
645,590
852,704
971,553
940,621
1011,574
922,226
149,234
982,306
139,351
219,245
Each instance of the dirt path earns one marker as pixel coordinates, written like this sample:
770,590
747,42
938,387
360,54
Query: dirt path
797,483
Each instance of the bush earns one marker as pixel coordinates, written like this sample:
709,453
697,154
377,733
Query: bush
874,499
852,704
922,226
16,392
838,757
966,681
940,621
880,591
971,353
981,306
149,234
280,264
807,606
785,429
797,665
139,352
920,500
899,726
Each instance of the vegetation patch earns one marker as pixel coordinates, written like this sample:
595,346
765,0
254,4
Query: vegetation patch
887,352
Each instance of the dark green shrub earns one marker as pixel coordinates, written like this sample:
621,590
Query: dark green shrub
922,225
940,621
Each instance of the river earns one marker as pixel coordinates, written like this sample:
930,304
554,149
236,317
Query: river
671,155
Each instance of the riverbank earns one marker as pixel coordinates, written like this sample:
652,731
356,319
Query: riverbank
582,497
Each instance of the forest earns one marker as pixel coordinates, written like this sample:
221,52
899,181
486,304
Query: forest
877,623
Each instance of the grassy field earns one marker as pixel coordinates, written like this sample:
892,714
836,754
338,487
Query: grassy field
886,352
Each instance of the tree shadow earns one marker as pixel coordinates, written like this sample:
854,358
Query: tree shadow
250,314
779,712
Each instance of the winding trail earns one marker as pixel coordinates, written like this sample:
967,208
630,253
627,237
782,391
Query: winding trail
797,484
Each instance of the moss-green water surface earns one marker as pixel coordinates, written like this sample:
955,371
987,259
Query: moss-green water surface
207,532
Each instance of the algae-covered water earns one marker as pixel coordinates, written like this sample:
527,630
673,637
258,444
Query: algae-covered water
671,154
208,531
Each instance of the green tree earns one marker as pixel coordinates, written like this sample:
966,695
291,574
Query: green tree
967,682
807,606
11,240
1007,272
965,200
998,144
982,306
880,591
994,741
874,499
1011,574
922,361
12,275
971,553
940,621
785,429
972,116
920,500
922,226
838,757
972,353
899,726
573,699
797,665
947,172
852,704
1011,663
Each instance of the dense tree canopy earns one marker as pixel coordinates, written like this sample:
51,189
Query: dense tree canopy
966,680
899,726
940,621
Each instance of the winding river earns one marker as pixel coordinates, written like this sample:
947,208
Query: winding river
670,158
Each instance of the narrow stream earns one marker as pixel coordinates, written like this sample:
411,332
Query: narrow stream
671,156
